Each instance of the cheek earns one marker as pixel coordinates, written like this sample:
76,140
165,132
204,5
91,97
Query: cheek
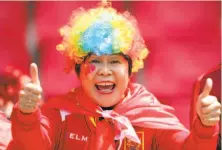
89,69
87,86
122,79
87,77
122,71
122,85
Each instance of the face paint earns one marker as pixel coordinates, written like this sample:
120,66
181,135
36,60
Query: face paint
89,68
92,68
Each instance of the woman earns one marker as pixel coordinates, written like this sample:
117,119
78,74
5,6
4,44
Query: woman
107,111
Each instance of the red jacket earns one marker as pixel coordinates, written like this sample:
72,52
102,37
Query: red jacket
48,129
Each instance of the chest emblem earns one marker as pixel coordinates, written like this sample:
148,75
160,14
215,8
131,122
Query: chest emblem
129,145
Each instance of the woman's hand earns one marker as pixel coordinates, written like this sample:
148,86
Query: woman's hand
30,95
208,108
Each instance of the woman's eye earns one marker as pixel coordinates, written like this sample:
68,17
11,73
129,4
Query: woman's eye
115,62
94,61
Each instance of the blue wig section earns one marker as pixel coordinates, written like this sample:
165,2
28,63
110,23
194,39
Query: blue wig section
98,39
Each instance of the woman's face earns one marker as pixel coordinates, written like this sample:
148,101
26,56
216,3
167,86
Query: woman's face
105,78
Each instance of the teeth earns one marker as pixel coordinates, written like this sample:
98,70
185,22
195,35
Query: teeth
105,83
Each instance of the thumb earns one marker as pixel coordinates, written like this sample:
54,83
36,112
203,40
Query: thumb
34,73
207,88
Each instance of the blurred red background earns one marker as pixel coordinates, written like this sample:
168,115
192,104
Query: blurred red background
183,38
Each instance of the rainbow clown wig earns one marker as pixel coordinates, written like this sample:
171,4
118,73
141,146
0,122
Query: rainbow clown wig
102,31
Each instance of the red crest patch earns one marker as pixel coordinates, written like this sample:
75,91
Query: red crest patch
129,145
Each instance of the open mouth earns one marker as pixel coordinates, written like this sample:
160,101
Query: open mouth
105,87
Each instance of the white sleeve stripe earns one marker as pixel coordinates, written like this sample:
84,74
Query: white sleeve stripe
64,114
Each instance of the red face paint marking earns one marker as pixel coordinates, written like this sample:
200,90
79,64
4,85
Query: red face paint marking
92,67
89,68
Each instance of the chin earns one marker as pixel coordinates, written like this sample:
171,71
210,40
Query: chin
106,104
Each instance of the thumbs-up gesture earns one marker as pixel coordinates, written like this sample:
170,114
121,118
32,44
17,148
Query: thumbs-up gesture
208,108
30,95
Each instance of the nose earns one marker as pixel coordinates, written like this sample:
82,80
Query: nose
105,70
